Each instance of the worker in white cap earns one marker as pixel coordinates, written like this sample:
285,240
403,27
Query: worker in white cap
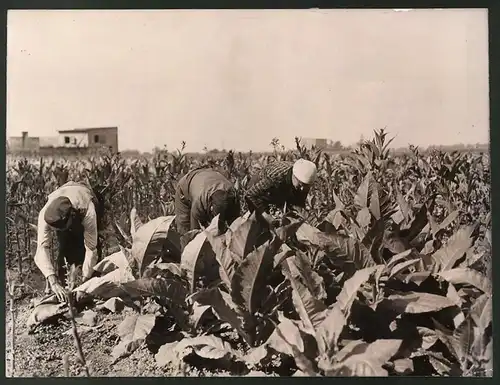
280,183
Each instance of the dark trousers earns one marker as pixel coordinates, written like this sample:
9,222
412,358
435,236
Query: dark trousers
182,202
71,249
182,208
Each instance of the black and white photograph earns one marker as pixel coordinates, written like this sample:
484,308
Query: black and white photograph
258,192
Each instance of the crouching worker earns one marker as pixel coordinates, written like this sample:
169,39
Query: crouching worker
279,183
202,194
71,212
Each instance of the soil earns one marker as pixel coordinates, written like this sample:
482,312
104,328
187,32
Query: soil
41,353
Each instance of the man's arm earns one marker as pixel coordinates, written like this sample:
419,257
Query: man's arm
256,195
42,255
90,239
197,215
272,176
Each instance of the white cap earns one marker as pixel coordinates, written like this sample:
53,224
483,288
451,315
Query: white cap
305,171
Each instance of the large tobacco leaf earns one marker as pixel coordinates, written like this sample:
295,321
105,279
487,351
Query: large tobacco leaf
469,277
351,287
227,311
455,248
250,278
149,241
196,253
132,331
414,302
310,309
362,359
207,347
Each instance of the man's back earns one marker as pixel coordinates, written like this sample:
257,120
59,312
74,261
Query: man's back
205,182
79,195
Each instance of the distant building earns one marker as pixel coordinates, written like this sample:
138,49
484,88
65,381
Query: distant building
316,142
92,138
68,142
23,143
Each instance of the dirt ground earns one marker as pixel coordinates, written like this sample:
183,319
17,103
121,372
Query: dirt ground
41,353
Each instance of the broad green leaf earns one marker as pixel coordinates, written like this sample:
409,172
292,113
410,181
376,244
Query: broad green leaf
441,365
45,312
420,220
251,275
429,337
133,331
286,231
197,313
404,207
208,347
244,237
455,248
135,221
337,246
395,243
310,235
225,310
413,302
292,333
364,217
417,277
302,362
283,255
351,287
375,201
400,267
228,261
310,309
112,262
452,294
196,251
114,305
350,348
459,342
369,360
149,241
300,266
467,276
398,258
172,289
107,286
363,193
447,221
481,312
164,269
337,216
329,330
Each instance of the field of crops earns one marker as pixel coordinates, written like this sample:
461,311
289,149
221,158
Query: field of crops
387,272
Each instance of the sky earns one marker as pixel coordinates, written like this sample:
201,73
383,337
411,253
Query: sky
238,78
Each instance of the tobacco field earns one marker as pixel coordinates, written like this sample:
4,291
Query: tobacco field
386,273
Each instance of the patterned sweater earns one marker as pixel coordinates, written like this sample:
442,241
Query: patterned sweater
273,186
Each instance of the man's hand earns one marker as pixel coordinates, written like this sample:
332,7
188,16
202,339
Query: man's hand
57,288
270,222
88,265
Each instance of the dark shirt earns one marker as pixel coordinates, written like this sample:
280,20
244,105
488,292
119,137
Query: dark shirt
202,184
273,186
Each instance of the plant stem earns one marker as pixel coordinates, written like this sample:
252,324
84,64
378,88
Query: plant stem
76,337
13,328
66,365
